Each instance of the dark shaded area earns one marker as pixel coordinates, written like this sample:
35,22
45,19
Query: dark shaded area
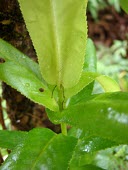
23,113
109,26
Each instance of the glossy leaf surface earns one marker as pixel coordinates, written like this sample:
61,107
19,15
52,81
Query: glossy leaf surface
85,149
106,115
58,30
42,149
110,158
27,83
10,139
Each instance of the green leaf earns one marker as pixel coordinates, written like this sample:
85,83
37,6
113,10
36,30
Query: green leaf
84,91
124,5
10,139
90,63
58,30
86,79
108,84
27,83
9,53
83,95
90,167
83,154
106,115
42,149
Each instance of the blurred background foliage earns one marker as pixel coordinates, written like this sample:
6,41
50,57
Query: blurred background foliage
95,5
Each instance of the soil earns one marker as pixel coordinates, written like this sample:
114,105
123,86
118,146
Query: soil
110,26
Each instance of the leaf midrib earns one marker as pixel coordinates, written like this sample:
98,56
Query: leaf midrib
56,41
42,151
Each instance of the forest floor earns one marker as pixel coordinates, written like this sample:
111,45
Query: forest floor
109,26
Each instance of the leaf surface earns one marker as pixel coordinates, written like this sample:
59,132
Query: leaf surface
27,83
42,149
10,53
106,115
86,147
10,139
58,30
124,5
88,74
90,63
108,84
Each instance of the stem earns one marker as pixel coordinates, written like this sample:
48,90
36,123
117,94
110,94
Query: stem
61,108
64,129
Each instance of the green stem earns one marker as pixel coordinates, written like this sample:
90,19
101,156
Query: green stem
64,129
61,108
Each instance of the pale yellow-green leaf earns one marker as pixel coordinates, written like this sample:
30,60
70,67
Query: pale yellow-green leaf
58,29
108,84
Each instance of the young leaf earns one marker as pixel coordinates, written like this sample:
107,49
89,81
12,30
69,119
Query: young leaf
42,149
58,30
108,84
106,116
10,139
27,83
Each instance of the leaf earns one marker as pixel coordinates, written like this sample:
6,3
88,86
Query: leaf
42,149
90,62
83,154
83,95
27,83
106,115
86,79
108,84
58,30
9,53
124,5
82,90
10,139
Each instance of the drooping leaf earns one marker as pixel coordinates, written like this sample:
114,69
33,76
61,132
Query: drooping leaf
27,83
42,149
10,139
58,30
106,115
108,84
